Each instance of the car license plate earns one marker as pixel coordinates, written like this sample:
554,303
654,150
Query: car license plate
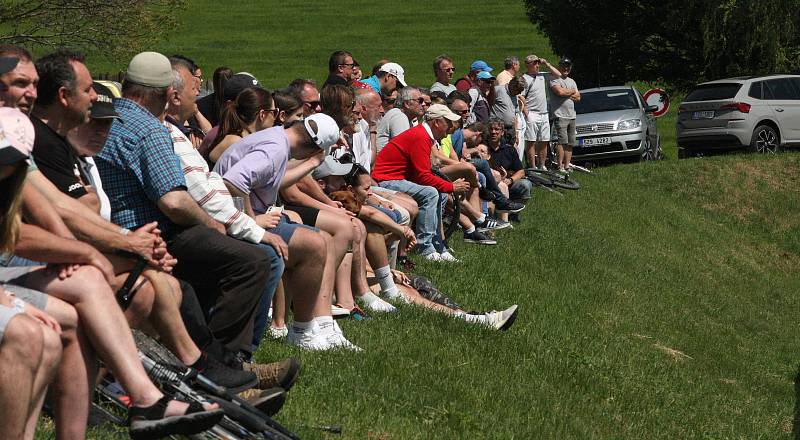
706,114
595,141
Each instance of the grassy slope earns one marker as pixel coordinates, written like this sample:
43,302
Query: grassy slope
696,256
657,301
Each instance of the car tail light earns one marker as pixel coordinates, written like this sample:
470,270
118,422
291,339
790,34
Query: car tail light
742,107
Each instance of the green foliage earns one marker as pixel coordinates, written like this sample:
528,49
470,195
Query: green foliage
677,41
108,28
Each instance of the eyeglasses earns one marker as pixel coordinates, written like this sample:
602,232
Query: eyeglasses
461,112
312,104
348,64
423,101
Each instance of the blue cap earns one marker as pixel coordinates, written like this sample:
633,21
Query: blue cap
485,75
481,66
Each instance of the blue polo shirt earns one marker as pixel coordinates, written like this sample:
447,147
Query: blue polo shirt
138,166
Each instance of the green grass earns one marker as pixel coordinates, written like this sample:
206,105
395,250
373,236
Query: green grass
658,301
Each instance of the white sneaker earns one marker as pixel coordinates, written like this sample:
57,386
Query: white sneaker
501,320
447,256
277,332
433,256
378,305
319,338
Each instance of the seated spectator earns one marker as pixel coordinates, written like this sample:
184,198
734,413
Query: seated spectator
340,69
144,182
388,78
410,107
290,108
211,105
404,166
233,86
306,91
30,348
443,69
506,161
252,111
370,114
255,168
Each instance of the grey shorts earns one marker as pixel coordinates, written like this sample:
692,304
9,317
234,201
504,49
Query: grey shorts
565,128
13,280
32,297
6,313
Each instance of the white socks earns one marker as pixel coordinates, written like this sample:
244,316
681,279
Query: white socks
475,319
388,289
481,219
470,230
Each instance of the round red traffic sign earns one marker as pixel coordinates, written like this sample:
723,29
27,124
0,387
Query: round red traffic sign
658,98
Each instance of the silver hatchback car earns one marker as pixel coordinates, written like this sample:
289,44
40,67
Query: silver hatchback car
760,113
615,122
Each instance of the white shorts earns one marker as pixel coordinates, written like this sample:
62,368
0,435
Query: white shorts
538,127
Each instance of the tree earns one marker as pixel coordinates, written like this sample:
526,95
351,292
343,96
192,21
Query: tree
679,42
106,27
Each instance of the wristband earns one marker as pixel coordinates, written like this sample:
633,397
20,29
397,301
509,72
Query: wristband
124,231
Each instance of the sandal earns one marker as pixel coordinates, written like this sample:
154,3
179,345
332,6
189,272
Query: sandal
151,423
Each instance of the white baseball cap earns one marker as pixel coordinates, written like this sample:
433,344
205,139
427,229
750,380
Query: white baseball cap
396,70
326,133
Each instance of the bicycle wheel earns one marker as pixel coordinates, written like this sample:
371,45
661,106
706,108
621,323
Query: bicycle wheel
450,219
566,183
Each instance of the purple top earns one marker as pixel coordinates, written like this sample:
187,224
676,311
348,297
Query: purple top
256,165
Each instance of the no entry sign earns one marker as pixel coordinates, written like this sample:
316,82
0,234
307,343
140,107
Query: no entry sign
658,98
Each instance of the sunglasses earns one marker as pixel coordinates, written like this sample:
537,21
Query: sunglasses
449,69
423,101
312,104
461,112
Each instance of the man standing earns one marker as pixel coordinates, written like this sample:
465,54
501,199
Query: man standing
399,119
405,166
511,65
144,182
506,105
443,69
340,69
479,95
470,80
537,134
565,95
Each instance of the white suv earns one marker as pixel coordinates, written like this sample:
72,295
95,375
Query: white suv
761,113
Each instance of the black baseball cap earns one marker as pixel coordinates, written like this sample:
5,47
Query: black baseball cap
103,108
7,64
565,62
237,83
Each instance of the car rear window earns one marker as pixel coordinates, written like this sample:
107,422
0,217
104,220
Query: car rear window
713,92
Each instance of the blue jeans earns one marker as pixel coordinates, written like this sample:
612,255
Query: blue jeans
430,210
262,312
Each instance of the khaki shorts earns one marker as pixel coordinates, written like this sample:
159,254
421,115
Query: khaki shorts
565,128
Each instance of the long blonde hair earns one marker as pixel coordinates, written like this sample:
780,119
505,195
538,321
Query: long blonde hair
10,208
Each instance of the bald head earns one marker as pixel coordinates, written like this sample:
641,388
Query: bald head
371,101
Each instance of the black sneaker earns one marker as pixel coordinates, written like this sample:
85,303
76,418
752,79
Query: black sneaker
490,224
510,207
478,237
234,380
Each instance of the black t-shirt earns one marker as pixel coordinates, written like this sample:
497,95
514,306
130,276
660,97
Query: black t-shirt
334,80
208,107
507,157
57,160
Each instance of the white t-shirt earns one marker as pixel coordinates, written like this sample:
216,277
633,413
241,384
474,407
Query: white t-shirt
536,92
90,169
446,89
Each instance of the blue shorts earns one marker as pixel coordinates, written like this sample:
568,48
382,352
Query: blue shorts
285,228
392,213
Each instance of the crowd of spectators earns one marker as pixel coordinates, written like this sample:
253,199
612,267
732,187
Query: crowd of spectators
260,214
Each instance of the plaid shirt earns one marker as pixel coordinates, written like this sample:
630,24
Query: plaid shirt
138,166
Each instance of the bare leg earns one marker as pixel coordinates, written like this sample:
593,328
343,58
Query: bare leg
166,319
503,189
344,292
21,355
51,355
309,274
279,307
541,153
530,153
359,264
567,155
560,155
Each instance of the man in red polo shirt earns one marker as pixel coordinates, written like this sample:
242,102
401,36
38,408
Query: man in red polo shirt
404,165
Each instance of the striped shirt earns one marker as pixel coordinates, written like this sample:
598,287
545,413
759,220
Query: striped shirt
208,189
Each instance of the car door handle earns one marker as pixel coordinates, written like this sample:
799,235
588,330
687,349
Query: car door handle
778,109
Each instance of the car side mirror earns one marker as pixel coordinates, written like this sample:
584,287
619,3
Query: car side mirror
651,109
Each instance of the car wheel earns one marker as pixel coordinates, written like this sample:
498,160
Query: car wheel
648,152
685,153
765,140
